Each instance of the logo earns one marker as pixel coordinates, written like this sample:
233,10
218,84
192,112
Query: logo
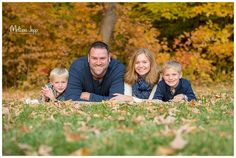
19,29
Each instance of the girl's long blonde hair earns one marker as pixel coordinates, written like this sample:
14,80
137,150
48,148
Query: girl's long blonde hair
131,75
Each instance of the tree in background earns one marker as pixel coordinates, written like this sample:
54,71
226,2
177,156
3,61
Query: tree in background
200,35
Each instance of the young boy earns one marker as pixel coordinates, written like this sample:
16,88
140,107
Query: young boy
173,87
54,91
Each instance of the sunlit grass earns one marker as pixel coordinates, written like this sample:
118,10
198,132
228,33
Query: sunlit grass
110,128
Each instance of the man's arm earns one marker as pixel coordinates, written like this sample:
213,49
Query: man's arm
74,87
117,85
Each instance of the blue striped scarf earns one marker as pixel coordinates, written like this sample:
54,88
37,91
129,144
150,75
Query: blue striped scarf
141,89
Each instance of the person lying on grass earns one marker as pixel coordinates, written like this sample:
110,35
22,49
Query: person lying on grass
54,91
141,77
173,87
96,77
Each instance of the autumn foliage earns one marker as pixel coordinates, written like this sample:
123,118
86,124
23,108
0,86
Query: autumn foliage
199,35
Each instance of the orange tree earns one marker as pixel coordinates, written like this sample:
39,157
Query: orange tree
199,35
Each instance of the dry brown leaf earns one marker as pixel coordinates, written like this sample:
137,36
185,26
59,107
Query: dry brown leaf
167,131
112,103
27,149
217,96
24,129
96,116
192,103
172,111
81,152
195,111
123,128
5,111
44,150
161,120
185,129
186,121
138,119
178,142
222,134
161,110
209,109
121,118
24,146
70,136
164,151
81,112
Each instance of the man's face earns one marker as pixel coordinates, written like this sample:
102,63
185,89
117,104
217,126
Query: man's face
98,59
171,77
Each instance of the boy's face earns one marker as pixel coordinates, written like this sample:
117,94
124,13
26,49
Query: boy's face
59,83
171,77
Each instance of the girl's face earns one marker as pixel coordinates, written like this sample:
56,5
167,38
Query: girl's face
142,65
59,83
171,77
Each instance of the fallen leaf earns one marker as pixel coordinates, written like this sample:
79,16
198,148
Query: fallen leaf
167,131
24,146
121,118
165,151
195,111
80,152
172,111
192,103
44,150
5,111
178,142
161,120
24,129
217,96
96,116
123,128
209,109
185,129
70,136
138,119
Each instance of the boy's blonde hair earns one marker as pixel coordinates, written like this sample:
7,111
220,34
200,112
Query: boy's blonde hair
172,64
131,76
58,72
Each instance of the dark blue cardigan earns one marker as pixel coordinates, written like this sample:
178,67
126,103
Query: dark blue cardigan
184,87
81,80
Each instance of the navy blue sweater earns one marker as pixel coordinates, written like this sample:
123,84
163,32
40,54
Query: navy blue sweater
81,80
184,87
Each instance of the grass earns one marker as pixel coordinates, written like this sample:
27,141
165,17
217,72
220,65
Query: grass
110,128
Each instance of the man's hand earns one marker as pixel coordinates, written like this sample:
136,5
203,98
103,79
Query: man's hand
85,95
121,97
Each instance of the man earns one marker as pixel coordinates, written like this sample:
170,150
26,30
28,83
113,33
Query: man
96,77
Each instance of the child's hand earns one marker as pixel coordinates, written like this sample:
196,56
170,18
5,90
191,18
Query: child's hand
178,98
48,93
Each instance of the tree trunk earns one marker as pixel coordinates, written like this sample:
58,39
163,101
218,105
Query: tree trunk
108,21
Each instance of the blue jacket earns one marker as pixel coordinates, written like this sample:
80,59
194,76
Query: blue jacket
81,80
184,87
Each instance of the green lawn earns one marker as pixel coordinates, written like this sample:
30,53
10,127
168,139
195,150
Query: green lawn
203,128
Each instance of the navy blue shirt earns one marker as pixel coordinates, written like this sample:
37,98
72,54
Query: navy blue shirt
163,91
81,80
